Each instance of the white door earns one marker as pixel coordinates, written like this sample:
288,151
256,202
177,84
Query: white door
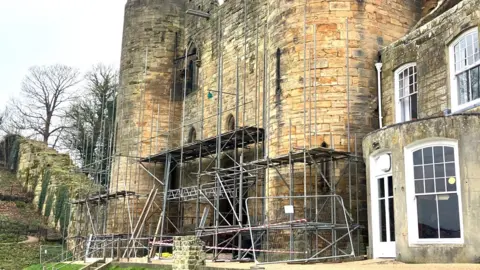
383,217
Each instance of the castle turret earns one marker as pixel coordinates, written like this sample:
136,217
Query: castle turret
324,73
323,53
152,30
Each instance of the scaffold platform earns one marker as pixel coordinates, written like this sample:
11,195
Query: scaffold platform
104,197
239,138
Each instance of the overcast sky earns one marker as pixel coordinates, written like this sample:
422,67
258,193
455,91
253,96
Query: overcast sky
78,33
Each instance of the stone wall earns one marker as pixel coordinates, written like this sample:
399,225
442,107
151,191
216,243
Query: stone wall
372,25
428,47
463,129
261,47
242,73
251,66
188,253
36,160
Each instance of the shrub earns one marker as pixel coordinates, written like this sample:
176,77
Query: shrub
20,204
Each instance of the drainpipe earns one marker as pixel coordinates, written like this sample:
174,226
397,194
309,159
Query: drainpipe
379,83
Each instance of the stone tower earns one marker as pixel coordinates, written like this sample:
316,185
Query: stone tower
326,90
152,29
371,26
268,56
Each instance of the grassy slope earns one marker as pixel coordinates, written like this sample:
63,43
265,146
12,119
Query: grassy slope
12,238
16,211
129,268
16,256
9,184
64,267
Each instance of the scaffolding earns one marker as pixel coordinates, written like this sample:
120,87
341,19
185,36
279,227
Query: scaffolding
244,201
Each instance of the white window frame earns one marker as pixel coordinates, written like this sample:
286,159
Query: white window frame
453,75
412,215
398,105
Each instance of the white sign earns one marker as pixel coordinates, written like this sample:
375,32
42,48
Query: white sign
289,209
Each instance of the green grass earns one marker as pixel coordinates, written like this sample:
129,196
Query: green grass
7,178
11,238
129,268
64,266
18,256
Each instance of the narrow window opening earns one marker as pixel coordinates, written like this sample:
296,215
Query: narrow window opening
192,135
192,71
279,53
231,125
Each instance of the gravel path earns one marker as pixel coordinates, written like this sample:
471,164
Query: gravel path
357,265
30,240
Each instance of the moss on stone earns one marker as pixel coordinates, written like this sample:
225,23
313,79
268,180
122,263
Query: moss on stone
37,160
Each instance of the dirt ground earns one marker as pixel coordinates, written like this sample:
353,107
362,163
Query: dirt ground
379,264
360,265
31,239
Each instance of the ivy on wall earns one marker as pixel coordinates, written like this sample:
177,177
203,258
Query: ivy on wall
49,204
43,192
62,200
13,157
65,218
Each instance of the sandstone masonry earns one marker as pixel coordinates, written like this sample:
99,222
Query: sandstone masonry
260,47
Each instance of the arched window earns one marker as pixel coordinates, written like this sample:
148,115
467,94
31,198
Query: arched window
192,135
192,70
230,122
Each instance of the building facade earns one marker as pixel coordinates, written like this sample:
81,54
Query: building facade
422,166
298,77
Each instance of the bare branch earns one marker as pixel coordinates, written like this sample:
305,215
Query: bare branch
44,94
90,118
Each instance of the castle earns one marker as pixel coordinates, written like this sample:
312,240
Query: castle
242,122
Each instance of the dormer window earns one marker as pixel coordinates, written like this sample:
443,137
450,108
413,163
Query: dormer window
406,91
465,71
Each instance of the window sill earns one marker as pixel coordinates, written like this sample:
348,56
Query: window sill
467,106
446,242
407,121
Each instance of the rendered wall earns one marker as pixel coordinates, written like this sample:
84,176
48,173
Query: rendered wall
462,128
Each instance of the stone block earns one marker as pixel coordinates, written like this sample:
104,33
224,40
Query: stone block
339,5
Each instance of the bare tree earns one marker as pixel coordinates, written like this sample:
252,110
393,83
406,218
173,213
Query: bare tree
8,122
45,92
91,118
